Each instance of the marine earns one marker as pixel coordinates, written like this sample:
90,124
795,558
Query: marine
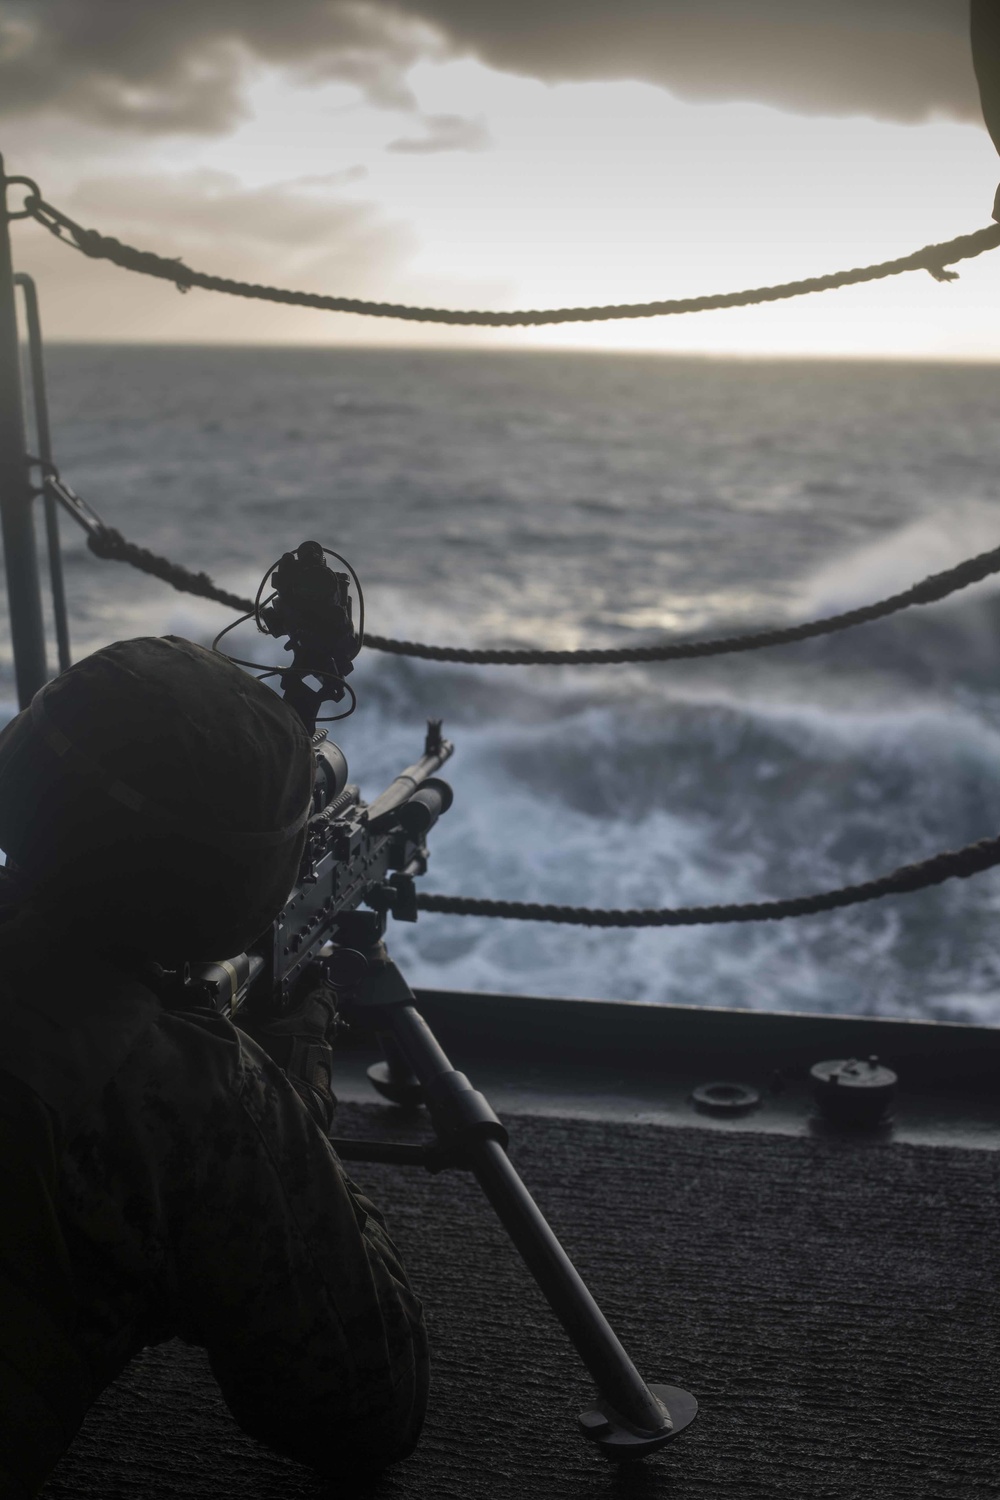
161,1175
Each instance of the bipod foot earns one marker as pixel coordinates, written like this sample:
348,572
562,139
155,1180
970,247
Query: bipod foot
622,1443
396,1086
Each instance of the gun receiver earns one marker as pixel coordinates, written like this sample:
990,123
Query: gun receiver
356,853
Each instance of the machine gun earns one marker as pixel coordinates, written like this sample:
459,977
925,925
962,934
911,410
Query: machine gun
360,855
356,854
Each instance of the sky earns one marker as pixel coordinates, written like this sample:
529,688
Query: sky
468,154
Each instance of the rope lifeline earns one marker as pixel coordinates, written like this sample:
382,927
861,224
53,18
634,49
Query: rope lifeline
109,544
959,863
931,258
936,586
106,542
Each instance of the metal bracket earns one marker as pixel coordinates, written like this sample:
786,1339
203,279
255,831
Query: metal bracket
34,192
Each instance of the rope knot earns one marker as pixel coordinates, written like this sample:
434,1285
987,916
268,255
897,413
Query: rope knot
91,242
939,272
184,279
109,544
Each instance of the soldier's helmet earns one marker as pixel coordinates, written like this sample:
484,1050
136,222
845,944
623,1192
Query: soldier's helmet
154,798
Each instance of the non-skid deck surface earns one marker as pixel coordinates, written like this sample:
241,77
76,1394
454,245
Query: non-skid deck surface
832,1304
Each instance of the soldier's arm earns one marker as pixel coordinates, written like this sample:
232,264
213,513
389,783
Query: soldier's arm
290,1281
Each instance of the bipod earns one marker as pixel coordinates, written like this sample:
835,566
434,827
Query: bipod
629,1418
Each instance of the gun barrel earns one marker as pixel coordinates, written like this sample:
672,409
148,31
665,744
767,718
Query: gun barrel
421,811
382,812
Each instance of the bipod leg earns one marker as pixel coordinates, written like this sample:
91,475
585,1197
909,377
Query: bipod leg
393,1078
629,1418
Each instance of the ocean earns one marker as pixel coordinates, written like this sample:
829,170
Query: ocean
571,500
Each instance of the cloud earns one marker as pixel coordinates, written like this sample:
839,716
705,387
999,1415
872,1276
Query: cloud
181,66
326,179
146,66
289,227
446,133
304,233
898,59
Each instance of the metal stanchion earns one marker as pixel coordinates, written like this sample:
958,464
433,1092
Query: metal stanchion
16,517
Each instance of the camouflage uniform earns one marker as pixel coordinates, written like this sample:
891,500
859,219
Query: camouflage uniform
164,1179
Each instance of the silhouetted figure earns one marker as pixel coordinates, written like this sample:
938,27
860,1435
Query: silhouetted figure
160,1175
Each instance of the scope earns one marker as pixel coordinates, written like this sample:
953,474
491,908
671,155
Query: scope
331,774
312,606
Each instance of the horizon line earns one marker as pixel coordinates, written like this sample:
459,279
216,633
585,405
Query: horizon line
701,355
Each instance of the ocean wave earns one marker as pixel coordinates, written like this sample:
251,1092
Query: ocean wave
642,500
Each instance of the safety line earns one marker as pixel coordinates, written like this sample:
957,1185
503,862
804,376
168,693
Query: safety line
106,542
957,863
931,258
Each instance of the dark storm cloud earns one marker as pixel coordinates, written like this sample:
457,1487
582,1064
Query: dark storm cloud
900,59
181,65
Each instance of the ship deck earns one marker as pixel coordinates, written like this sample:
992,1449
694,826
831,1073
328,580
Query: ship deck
830,1297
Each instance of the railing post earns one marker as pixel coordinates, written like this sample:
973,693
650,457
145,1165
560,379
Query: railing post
16,516
43,437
